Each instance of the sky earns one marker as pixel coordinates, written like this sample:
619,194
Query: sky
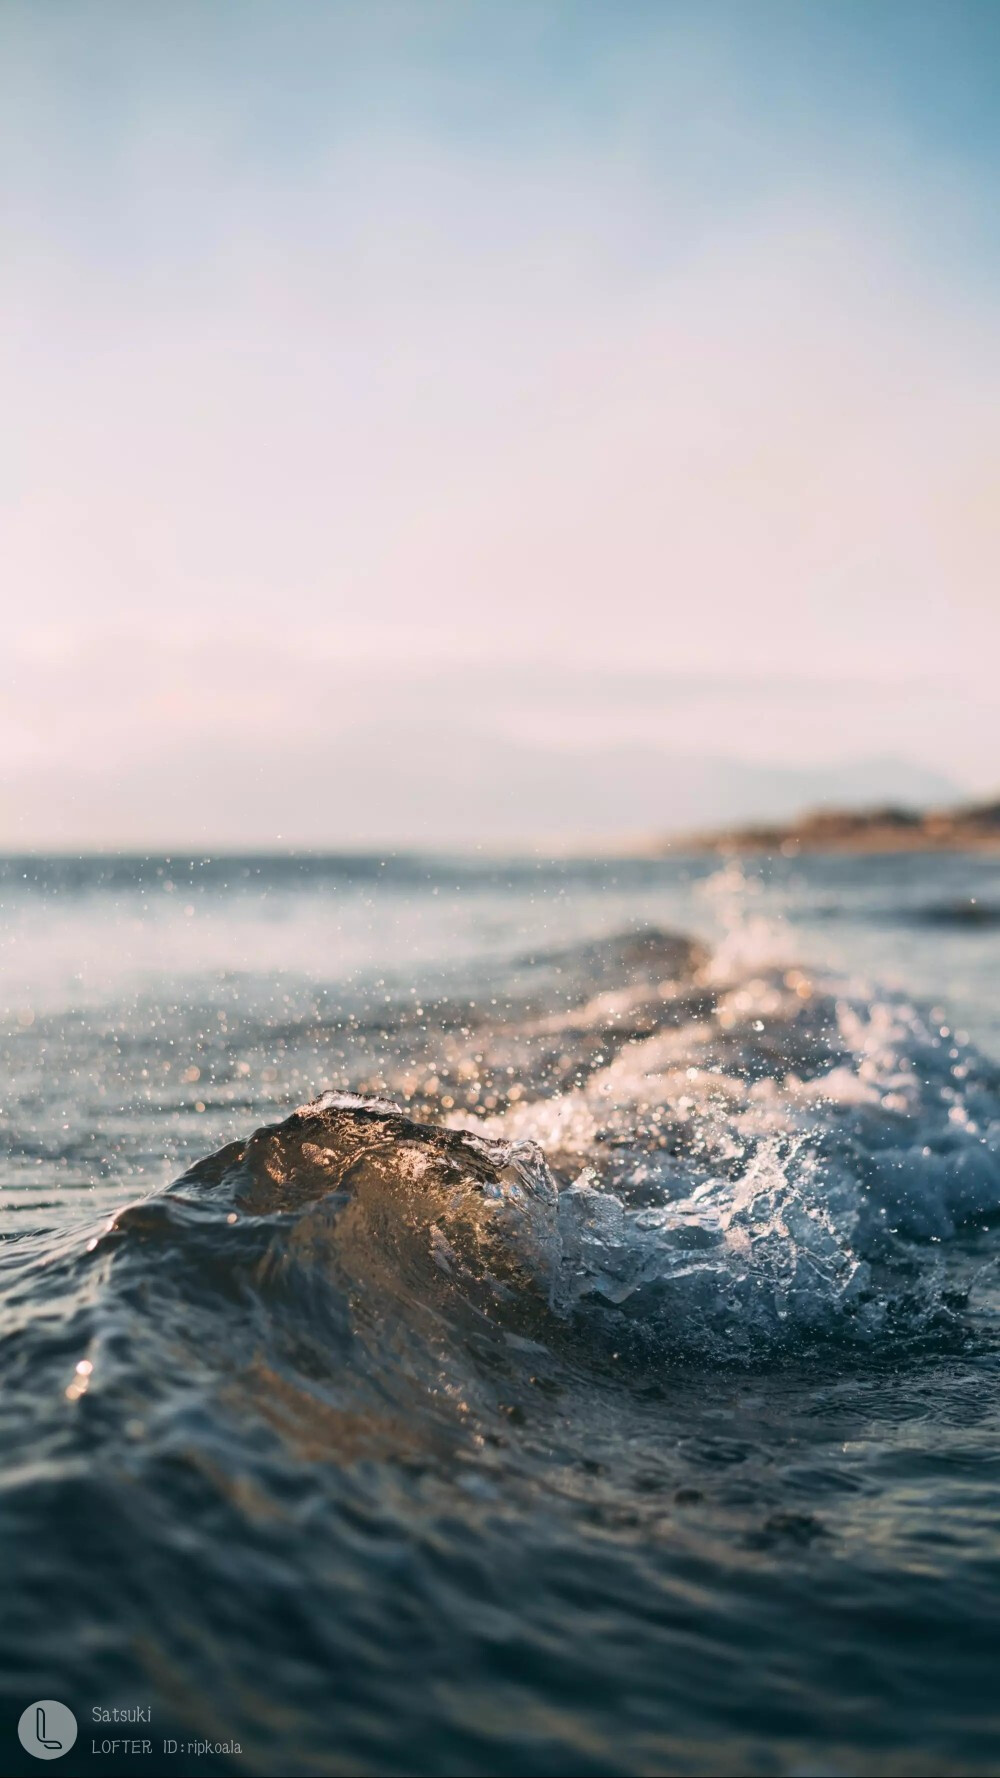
486,421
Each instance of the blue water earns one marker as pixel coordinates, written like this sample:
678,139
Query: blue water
600,1378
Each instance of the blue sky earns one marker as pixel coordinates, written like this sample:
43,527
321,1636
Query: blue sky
637,366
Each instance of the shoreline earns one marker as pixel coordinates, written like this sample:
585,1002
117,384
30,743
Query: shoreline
973,829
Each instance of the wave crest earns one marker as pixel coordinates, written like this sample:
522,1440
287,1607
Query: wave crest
745,1158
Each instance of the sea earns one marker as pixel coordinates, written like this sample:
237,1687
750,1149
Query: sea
464,1315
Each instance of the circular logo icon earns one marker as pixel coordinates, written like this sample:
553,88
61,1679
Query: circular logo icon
47,1729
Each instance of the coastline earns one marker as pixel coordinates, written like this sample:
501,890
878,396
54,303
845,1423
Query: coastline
973,828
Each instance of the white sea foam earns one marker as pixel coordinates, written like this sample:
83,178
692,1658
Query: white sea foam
788,1162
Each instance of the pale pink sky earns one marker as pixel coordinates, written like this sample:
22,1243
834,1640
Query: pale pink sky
304,444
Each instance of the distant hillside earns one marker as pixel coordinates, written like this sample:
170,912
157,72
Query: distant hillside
972,827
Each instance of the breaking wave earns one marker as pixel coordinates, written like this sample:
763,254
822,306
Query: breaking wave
718,1154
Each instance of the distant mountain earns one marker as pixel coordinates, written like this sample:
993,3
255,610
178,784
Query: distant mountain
442,782
436,785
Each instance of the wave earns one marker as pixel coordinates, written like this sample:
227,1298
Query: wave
966,912
756,1154
716,1156
648,1155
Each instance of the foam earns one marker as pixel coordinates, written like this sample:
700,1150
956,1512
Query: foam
785,1165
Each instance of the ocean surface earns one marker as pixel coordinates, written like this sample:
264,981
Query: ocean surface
590,1367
